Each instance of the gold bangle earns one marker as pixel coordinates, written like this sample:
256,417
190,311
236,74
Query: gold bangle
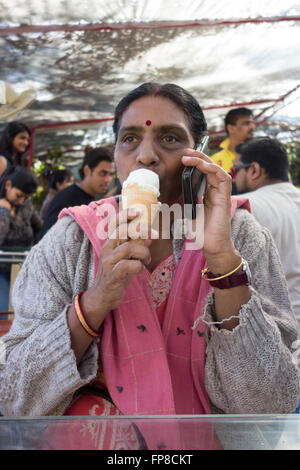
81,317
206,270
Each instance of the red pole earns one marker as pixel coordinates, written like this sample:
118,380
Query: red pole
142,25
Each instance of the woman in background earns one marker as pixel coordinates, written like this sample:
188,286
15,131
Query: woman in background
19,222
14,143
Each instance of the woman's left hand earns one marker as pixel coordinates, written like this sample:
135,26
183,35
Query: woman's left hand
218,247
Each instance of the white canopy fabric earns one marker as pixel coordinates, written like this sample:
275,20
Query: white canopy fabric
81,57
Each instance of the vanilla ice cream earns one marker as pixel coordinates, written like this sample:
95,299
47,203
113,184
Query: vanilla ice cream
141,191
147,180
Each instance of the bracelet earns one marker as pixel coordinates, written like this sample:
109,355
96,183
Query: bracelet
206,270
81,317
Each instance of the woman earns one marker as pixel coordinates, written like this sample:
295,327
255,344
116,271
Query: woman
14,143
59,179
19,223
120,348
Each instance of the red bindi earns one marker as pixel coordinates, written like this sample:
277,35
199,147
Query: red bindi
148,123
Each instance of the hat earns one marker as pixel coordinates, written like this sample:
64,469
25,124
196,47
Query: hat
12,103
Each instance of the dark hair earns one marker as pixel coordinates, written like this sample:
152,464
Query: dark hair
269,153
6,141
59,176
234,114
94,157
21,178
183,99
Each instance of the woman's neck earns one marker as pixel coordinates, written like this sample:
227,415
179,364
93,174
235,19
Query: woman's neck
159,250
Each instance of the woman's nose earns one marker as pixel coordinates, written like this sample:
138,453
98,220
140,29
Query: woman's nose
147,155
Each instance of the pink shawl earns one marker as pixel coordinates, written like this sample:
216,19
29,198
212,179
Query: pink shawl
151,370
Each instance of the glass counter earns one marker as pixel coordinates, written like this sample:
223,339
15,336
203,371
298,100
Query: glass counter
209,432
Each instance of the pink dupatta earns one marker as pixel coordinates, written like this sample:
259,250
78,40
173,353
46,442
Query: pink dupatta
151,370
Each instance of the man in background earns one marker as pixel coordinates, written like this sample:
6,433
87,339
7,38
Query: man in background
96,175
260,173
239,127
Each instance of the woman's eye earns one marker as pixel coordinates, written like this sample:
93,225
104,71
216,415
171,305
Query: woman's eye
129,139
170,139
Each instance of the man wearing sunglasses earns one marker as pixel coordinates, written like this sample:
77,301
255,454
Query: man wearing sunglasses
239,127
260,173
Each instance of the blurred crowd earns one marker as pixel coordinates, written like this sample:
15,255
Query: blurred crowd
21,223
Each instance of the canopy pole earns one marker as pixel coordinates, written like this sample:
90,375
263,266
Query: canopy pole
274,108
142,25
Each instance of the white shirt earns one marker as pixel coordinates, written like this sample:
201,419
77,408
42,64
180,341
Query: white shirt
277,207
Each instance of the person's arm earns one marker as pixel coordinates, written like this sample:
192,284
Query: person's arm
3,165
250,366
220,252
48,353
40,373
4,220
251,369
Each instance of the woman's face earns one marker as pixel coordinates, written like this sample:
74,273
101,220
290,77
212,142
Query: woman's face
21,141
14,195
153,134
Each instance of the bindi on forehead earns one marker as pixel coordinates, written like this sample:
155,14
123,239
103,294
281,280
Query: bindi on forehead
148,122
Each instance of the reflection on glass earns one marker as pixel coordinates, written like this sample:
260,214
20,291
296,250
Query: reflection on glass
231,432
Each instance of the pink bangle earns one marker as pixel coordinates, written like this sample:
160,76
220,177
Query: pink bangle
81,318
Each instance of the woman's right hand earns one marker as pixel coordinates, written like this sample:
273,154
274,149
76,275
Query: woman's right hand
121,259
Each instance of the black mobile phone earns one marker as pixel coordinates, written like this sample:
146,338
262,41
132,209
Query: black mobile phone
194,183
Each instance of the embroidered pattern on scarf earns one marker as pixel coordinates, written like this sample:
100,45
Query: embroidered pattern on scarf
160,280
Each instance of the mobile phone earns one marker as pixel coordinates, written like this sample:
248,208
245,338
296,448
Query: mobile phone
194,183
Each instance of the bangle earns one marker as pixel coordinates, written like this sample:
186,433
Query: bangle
206,270
81,318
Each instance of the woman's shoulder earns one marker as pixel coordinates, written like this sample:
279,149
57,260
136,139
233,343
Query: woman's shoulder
65,248
65,236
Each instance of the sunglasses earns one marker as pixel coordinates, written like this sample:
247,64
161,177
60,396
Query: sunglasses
234,169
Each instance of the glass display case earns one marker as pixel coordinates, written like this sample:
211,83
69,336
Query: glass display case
205,432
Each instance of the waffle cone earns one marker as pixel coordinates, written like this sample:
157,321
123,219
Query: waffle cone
145,201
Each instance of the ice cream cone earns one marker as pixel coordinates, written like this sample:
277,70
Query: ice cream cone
145,201
141,191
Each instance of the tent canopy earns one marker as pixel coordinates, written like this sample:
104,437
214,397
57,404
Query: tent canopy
82,57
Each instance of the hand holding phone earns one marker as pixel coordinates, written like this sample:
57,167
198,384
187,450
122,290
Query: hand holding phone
194,182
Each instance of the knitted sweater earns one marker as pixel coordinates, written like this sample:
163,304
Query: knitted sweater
250,369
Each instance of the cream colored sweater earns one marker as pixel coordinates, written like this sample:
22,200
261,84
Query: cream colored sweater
248,370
